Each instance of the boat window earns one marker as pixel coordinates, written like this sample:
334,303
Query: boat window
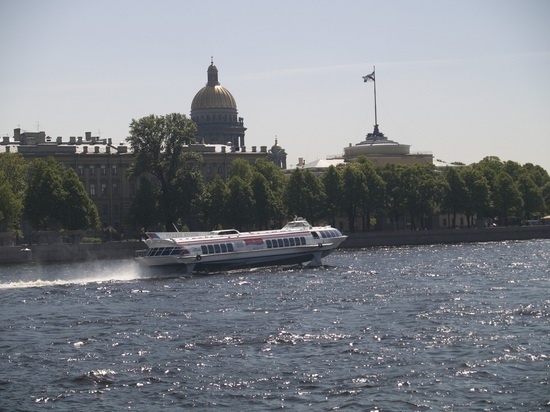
315,235
323,234
268,243
177,251
167,251
291,240
217,248
285,240
280,242
303,240
204,249
224,247
230,247
158,251
210,249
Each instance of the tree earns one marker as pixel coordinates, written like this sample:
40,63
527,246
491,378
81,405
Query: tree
376,188
79,211
242,169
267,205
45,194
533,201
478,201
304,195
332,183
240,203
395,192
455,194
354,192
143,211
57,199
190,187
158,144
214,203
13,186
15,169
276,180
506,197
423,193
11,205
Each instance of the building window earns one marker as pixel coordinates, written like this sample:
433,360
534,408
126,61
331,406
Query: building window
115,189
92,170
103,189
115,171
80,170
103,170
92,189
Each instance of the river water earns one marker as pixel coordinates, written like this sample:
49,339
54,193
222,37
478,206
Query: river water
445,327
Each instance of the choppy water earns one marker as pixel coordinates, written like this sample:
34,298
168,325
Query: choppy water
461,327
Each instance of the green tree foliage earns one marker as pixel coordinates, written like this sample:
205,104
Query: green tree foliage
240,203
189,190
507,197
268,184
478,201
395,193
242,169
11,206
354,193
214,203
13,186
376,189
423,193
78,210
143,211
158,143
267,206
57,199
304,195
44,194
332,184
533,200
455,194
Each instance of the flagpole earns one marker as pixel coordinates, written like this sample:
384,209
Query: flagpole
375,111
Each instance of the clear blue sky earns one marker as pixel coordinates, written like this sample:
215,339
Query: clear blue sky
462,79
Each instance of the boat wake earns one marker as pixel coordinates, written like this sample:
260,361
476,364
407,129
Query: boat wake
36,276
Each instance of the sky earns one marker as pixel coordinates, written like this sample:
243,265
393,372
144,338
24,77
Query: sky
460,79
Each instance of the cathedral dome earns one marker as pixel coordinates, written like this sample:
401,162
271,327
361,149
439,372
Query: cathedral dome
213,96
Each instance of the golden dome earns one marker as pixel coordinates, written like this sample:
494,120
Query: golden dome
213,96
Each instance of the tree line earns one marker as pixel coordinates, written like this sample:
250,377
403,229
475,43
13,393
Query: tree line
173,194
259,195
44,193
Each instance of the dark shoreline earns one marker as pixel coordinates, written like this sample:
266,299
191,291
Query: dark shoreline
68,253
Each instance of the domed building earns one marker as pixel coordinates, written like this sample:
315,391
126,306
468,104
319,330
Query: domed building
277,155
214,111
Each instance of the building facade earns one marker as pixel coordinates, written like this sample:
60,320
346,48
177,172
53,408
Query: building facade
102,167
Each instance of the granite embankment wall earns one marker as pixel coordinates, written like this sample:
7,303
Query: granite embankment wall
61,252
66,252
